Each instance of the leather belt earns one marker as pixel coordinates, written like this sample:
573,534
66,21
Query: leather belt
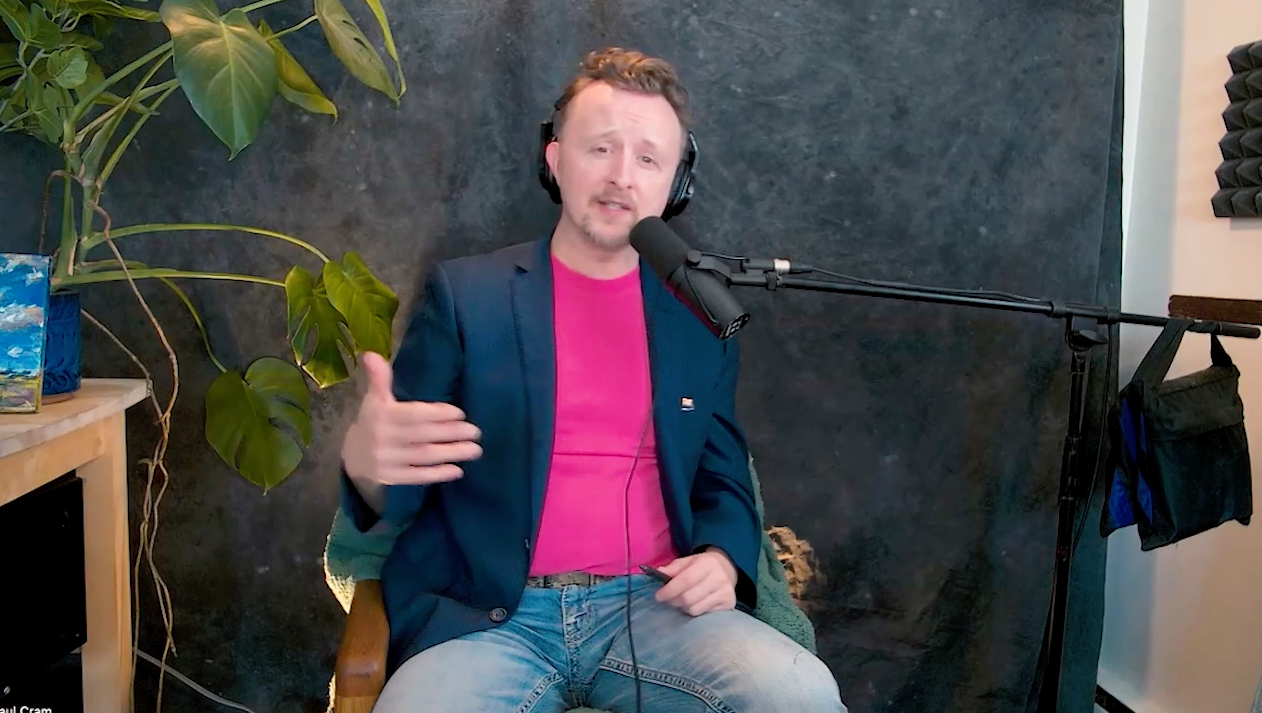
556,581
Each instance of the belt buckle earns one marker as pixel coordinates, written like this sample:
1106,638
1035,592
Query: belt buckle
582,579
556,581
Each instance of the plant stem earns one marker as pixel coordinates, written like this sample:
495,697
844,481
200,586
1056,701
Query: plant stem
25,69
105,115
197,318
68,234
69,237
295,28
131,133
93,157
15,120
84,278
96,238
86,101
90,196
258,5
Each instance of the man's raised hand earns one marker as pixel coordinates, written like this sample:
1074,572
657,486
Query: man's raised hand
396,442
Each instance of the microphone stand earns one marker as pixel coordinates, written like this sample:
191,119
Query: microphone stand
1082,333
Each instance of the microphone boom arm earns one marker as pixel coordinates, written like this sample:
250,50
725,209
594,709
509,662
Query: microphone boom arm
1080,337
773,279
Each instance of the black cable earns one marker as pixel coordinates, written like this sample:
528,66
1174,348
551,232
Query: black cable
626,500
918,288
626,527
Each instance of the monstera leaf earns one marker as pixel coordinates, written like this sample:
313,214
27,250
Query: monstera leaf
317,331
294,84
366,303
353,48
260,424
226,68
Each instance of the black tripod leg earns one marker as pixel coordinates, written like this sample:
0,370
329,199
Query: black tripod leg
1080,341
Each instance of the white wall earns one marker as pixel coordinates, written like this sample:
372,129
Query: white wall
1183,624
1135,14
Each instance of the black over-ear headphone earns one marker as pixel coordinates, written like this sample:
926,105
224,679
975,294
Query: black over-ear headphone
680,189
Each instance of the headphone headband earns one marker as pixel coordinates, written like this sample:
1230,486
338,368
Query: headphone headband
680,190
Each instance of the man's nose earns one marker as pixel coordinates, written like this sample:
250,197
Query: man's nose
621,172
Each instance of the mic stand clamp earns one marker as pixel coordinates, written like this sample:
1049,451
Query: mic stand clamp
771,270
698,260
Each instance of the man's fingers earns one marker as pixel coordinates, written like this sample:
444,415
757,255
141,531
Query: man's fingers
675,587
380,376
682,582
428,454
699,586
692,596
716,601
420,475
394,435
413,413
673,567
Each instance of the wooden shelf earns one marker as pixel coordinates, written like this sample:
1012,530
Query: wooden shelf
96,399
1216,309
86,434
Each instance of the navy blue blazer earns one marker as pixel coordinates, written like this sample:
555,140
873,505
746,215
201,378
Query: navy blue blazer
482,339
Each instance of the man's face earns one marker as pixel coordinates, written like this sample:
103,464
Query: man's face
614,161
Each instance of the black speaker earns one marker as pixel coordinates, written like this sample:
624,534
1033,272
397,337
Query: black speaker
42,594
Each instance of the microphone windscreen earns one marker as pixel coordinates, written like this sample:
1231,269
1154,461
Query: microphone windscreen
700,291
661,248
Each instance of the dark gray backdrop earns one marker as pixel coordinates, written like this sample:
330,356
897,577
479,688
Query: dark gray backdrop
960,143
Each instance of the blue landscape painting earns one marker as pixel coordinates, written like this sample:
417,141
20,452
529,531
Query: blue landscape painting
23,310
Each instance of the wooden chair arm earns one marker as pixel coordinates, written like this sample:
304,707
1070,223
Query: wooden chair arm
361,655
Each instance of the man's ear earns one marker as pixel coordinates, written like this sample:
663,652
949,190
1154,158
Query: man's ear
550,155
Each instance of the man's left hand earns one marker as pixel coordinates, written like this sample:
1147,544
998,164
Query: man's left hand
700,583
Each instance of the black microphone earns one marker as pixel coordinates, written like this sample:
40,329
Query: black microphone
679,267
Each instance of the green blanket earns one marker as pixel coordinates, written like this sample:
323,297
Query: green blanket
351,555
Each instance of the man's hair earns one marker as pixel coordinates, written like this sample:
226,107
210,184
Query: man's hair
630,71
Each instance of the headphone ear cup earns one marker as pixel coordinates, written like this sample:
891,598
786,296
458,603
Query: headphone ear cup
681,188
546,178
677,200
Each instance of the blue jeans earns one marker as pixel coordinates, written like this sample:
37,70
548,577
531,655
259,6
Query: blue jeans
568,647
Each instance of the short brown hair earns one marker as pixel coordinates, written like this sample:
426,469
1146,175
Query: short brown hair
631,71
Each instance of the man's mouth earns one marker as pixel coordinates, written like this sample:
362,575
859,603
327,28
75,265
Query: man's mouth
614,205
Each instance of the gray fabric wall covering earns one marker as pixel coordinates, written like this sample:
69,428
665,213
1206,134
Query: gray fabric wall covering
916,447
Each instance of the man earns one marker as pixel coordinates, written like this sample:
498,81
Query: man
554,419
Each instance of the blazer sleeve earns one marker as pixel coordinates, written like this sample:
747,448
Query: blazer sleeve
427,367
724,511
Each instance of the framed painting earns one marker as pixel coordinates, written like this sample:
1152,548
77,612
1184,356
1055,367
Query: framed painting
23,324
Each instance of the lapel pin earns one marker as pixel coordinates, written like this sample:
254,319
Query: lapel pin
685,404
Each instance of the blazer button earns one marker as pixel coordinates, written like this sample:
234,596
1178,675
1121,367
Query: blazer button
498,614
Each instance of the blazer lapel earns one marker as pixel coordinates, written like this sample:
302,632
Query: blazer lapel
662,322
532,316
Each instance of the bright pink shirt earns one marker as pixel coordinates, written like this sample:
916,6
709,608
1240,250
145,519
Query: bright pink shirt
602,405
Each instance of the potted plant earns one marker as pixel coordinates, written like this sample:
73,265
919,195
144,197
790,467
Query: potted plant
230,68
